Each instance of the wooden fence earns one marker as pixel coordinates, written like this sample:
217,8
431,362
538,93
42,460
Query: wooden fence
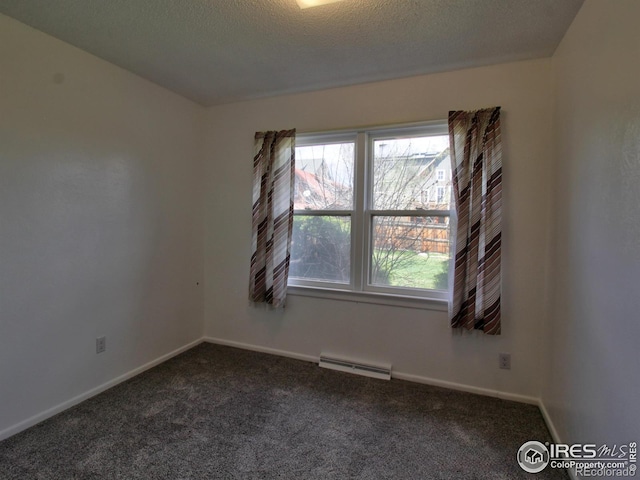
412,235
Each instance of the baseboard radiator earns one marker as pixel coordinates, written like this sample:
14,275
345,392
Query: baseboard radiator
382,372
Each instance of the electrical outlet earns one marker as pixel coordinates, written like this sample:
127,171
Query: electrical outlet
504,361
101,344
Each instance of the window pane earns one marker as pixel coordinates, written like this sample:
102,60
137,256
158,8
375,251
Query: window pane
324,177
321,248
411,173
411,252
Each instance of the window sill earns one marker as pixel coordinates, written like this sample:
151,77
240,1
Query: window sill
387,299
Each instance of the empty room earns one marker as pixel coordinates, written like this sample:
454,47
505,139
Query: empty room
319,239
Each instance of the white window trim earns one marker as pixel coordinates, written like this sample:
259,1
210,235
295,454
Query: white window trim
359,289
422,303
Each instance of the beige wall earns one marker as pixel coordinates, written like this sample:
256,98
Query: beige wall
100,222
417,342
592,387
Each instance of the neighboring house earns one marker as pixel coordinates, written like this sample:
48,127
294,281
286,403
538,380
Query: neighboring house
312,192
308,191
436,191
425,178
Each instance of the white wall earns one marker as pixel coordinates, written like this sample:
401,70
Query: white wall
592,385
416,342
101,204
100,222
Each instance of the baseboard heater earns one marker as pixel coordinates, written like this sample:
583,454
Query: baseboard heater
382,372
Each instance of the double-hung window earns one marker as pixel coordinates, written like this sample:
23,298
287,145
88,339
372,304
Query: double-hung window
371,211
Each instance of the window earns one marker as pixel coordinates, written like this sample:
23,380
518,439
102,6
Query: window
363,221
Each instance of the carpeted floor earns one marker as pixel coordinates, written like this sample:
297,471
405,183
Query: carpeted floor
218,412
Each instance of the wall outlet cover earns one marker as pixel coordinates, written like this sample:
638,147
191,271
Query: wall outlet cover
504,361
101,344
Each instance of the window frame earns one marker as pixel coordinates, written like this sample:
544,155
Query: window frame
360,287
320,139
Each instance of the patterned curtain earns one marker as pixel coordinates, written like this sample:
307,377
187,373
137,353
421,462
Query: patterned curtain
273,182
476,160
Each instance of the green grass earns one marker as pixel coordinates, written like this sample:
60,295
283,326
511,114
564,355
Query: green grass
416,270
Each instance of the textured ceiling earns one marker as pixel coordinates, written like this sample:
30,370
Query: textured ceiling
220,51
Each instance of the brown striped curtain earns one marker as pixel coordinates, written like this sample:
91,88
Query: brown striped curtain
273,182
476,160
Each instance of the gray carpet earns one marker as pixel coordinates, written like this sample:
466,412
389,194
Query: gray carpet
219,412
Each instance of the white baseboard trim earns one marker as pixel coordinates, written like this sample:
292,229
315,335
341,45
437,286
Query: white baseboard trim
554,434
258,348
30,422
547,420
465,388
399,375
